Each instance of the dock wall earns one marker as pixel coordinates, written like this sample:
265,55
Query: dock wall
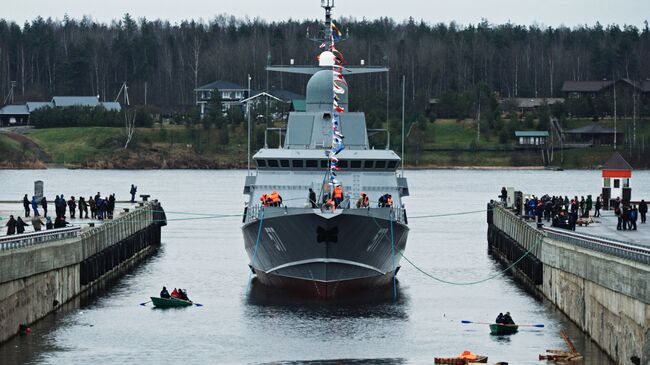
39,276
605,291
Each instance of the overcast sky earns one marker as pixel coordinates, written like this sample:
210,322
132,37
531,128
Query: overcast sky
543,12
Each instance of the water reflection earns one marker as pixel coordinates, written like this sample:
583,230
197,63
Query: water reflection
384,361
377,303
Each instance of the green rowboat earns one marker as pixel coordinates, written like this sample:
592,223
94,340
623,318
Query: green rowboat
503,329
170,303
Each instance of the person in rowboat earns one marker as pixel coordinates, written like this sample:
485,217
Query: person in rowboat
499,319
507,319
182,294
175,293
164,293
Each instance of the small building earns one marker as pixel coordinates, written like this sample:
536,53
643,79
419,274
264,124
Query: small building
595,88
14,115
19,114
65,101
531,104
531,138
617,175
231,94
593,134
35,105
574,89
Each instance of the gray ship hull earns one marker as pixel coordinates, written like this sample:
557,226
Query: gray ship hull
325,255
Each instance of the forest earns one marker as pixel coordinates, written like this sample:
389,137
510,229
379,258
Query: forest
163,62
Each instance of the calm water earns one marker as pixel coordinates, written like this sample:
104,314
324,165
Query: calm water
238,324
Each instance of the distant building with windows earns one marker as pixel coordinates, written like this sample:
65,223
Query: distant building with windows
529,139
592,88
14,115
233,95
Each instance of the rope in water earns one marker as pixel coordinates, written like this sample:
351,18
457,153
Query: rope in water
500,273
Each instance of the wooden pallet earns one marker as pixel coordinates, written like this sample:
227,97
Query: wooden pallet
562,355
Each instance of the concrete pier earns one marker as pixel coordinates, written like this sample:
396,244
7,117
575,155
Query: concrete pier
42,270
600,283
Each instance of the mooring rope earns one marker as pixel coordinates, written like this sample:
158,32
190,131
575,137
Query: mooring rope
502,272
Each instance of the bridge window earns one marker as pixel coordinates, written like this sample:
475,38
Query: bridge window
273,163
380,165
368,164
323,164
355,164
261,163
284,163
297,163
392,164
343,164
312,163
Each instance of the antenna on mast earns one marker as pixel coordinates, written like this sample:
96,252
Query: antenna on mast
326,34
327,5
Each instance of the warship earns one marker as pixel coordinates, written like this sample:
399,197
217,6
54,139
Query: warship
332,244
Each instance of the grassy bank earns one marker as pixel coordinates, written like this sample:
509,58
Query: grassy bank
443,143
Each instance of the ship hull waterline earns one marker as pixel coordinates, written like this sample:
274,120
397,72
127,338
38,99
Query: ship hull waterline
311,254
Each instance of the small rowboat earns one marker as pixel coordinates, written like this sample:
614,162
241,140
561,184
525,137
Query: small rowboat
503,329
170,303
460,361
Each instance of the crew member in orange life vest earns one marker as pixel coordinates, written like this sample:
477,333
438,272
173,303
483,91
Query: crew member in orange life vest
276,199
338,195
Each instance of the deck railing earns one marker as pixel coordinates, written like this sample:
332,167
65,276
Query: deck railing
35,238
97,239
606,245
253,213
526,235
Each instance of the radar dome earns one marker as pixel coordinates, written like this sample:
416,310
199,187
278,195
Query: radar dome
320,92
326,58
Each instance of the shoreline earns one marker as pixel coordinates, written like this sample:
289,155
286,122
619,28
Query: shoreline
243,167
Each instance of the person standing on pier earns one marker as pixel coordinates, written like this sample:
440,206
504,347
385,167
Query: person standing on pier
643,210
111,205
598,206
35,205
588,204
72,205
37,223
26,205
625,215
634,215
504,195
93,207
11,225
582,206
618,214
133,190
44,205
20,226
83,207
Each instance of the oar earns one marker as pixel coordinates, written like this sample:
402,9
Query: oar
198,304
144,303
502,324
